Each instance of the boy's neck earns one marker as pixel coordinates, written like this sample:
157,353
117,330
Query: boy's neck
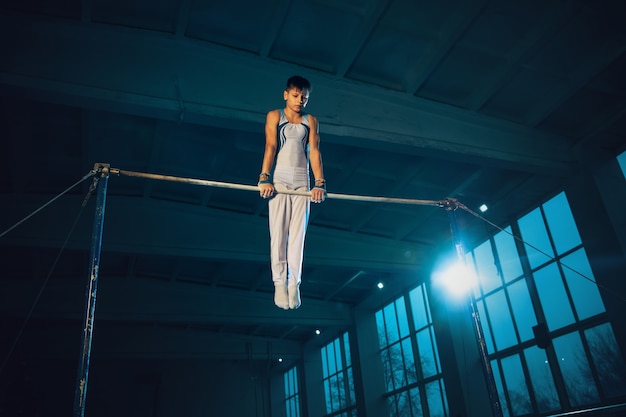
292,115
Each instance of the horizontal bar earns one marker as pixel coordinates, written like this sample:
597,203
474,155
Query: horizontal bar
195,181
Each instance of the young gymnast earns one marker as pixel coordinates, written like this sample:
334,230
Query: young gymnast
291,146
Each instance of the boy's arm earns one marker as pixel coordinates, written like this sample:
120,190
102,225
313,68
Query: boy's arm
271,141
315,159
266,187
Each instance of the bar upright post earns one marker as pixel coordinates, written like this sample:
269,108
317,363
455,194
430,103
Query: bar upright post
451,205
100,182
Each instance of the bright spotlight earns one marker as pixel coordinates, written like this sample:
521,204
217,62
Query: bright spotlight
318,331
483,208
380,285
456,278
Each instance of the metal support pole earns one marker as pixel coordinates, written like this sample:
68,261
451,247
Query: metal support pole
451,205
99,184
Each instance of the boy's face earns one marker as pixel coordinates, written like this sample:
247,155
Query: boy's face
296,99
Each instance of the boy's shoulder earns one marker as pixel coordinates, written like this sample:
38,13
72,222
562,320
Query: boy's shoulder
273,115
311,118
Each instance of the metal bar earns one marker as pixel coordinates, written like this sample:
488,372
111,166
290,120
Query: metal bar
100,182
609,410
195,181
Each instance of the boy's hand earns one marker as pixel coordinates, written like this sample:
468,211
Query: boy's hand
266,190
318,194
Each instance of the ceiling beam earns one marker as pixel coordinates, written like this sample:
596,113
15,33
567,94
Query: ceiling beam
153,301
113,340
161,76
150,226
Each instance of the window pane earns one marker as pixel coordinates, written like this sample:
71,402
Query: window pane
387,367
621,159
522,307
585,293
607,360
435,398
391,324
420,316
435,350
508,256
486,268
495,366
324,362
427,356
500,319
533,231
581,388
561,224
341,392
291,383
346,348
338,359
292,407
391,404
332,369
409,360
292,401
416,403
482,314
334,393
328,396
402,405
403,323
351,386
380,326
516,385
541,379
397,363
553,297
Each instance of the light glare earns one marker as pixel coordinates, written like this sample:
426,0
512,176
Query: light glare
483,208
457,279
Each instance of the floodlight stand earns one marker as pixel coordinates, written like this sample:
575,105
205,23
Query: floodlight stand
99,184
450,205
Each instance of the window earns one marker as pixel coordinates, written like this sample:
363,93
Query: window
338,379
621,159
405,332
292,397
582,364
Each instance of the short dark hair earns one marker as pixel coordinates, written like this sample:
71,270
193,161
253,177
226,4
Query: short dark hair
298,82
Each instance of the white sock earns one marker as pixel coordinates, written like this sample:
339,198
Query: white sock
294,296
281,298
